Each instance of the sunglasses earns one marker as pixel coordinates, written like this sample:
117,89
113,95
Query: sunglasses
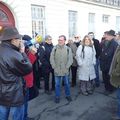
76,37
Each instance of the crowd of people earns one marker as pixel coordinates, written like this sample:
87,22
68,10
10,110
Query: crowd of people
23,67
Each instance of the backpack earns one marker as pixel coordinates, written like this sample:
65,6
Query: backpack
55,48
83,51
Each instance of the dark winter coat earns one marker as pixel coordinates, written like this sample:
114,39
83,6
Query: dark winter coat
97,47
106,55
45,57
13,66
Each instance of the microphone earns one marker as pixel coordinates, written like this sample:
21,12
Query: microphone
37,39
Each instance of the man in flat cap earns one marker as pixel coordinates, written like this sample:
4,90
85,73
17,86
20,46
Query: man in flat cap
14,64
109,46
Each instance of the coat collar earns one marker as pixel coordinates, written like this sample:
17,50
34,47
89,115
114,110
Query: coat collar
60,47
10,45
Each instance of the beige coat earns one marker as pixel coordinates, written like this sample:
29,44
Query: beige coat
61,59
115,69
74,49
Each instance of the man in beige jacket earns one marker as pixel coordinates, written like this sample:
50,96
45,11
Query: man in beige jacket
61,59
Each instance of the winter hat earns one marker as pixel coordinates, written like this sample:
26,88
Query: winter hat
111,32
9,33
26,37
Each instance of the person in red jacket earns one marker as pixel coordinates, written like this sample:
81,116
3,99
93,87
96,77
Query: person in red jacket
29,79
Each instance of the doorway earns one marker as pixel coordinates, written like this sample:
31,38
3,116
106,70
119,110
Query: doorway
6,16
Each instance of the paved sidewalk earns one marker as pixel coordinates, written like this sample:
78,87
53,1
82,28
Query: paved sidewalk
93,107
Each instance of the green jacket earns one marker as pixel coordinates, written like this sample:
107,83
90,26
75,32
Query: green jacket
61,59
115,69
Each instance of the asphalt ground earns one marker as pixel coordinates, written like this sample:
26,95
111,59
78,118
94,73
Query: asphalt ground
97,106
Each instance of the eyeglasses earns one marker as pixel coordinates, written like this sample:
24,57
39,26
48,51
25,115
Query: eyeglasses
76,37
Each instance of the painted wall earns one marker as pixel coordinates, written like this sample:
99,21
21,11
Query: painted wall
21,10
56,15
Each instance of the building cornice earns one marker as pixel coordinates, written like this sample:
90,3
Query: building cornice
98,4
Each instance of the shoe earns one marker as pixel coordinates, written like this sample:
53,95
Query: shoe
28,118
85,93
115,118
90,92
48,92
52,89
73,85
57,100
39,87
107,92
69,99
97,85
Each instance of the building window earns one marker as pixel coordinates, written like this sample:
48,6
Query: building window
116,2
105,18
3,16
72,23
103,1
118,23
110,2
91,22
38,20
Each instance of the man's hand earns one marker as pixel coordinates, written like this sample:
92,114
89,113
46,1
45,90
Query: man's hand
33,50
22,47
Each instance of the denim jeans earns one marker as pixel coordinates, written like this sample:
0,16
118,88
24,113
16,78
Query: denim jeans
17,113
66,85
26,104
97,81
118,97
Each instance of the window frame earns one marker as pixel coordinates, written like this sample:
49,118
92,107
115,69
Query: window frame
72,20
105,18
38,20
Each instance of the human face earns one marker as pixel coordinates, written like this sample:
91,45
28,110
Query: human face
17,42
104,36
77,38
61,41
91,36
117,37
87,41
70,41
109,37
49,40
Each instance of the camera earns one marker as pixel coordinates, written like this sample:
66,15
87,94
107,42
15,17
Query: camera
28,41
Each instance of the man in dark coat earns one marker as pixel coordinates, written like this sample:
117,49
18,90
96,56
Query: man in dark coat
14,64
45,61
108,49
